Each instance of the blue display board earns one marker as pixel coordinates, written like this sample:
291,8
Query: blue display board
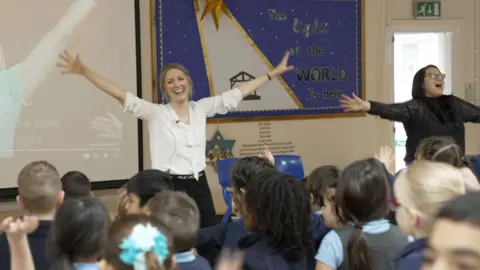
324,38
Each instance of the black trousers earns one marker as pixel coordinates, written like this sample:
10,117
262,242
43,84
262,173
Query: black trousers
201,193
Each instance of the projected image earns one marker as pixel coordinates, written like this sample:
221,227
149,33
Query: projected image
19,81
47,116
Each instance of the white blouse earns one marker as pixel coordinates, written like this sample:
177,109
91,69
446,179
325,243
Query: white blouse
176,147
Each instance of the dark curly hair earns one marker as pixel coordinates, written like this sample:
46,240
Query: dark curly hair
244,169
278,205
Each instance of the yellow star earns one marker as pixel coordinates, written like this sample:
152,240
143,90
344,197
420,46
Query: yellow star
216,7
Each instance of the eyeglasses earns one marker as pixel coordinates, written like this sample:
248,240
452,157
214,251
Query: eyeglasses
436,76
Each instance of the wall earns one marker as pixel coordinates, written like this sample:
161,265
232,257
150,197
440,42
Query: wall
339,141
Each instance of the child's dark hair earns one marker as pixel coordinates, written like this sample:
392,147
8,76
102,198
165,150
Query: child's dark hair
76,184
245,169
121,229
362,196
180,214
279,206
321,179
442,149
142,187
462,209
79,231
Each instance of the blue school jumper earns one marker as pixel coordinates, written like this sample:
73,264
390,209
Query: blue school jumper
188,260
36,240
410,257
259,254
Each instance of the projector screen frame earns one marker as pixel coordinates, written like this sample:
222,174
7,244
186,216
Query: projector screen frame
9,194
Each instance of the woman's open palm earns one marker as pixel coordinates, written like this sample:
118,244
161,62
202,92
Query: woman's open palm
353,104
70,64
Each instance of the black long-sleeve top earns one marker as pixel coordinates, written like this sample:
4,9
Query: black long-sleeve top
421,122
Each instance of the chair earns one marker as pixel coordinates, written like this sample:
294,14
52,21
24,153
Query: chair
223,168
291,164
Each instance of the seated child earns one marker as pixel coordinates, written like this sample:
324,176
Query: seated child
40,193
446,150
75,184
462,218
277,208
367,241
421,190
79,234
137,241
319,181
225,236
180,214
140,189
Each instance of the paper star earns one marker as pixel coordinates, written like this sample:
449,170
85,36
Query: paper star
216,7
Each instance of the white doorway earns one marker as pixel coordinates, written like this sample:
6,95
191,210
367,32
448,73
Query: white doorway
411,52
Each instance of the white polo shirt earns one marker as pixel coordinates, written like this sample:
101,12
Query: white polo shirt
175,147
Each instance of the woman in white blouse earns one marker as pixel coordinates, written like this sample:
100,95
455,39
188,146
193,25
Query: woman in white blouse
177,129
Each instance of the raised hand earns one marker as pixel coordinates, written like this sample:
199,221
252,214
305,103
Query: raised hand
69,64
385,155
353,104
17,227
283,66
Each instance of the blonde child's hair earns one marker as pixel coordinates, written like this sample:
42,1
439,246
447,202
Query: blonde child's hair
425,186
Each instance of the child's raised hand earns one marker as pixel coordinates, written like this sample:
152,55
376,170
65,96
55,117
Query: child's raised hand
385,155
16,227
268,155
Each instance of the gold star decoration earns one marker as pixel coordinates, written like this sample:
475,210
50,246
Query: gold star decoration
216,7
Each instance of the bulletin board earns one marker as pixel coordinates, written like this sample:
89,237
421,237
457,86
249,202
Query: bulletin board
226,42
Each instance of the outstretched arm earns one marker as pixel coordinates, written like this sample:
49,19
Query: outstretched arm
221,104
138,107
470,112
37,65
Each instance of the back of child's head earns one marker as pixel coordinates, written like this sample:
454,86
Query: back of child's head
441,149
242,173
180,214
39,188
79,232
138,241
76,184
245,169
421,190
141,188
321,179
362,197
278,205
453,242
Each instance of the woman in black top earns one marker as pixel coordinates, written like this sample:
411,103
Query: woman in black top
428,113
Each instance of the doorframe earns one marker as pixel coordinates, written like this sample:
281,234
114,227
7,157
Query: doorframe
416,26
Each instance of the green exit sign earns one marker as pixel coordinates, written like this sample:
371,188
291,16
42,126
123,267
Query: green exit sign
426,10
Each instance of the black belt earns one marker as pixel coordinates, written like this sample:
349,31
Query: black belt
186,176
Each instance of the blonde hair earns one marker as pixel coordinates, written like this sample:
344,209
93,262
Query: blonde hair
163,73
425,186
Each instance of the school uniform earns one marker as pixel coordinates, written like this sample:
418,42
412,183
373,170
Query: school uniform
36,240
212,240
410,257
86,266
188,260
259,254
383,238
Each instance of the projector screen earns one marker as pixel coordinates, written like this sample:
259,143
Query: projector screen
64,119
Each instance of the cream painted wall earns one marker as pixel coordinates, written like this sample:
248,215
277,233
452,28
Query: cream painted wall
339,141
